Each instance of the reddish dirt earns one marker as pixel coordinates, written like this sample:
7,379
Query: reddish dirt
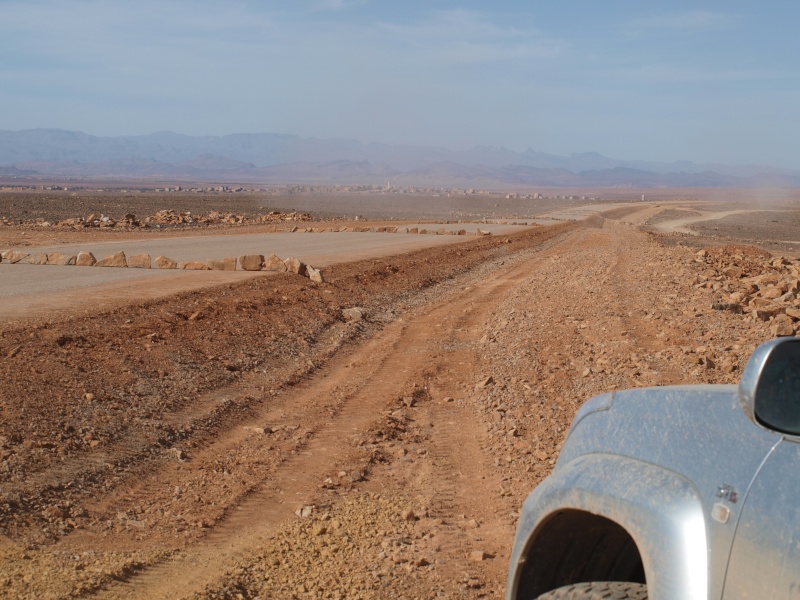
251,441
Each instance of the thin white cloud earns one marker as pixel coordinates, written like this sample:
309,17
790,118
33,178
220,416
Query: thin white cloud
458,24
691,21
670,74
473,52
337,5
472,37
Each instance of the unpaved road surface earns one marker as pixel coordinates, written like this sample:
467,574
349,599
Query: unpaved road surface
682,223
36,290
259,440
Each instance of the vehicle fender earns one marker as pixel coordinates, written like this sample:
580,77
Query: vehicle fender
660,510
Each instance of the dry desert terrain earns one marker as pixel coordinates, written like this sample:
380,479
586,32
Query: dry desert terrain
370,436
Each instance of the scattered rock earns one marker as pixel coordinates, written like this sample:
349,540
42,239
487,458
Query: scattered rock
37,259
193,266
15,256
139,261
353,314
409,515
259,430
162,262
314,275
781,326
295,266
767,312
52,513
61,259
273,263
251,262
733,307
85,259
116,260
485,382
479,555
226,264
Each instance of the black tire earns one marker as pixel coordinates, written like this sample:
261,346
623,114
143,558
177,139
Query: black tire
598,590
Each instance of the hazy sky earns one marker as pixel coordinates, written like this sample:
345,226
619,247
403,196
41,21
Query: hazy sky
702,81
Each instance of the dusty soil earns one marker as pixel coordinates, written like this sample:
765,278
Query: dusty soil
765,228
253,441
60,205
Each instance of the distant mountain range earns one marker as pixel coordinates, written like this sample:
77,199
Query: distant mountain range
277,158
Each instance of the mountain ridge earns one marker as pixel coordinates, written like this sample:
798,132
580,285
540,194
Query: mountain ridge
287,158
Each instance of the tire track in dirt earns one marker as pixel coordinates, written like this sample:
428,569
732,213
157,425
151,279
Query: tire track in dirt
464,489
645,326
382,371
144,449
296,478
397,353
132,446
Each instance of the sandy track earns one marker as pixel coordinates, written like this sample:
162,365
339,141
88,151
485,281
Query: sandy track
432,346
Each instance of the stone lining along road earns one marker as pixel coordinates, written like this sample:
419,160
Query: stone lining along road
32,290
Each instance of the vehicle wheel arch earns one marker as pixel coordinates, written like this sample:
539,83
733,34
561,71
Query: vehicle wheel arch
574,546
648,512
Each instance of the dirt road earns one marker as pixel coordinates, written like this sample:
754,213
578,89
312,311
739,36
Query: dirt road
682,224
36,290
254,442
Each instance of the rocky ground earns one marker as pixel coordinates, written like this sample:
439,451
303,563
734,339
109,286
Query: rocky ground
268,440
53,206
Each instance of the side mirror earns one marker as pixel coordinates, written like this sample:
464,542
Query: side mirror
769,391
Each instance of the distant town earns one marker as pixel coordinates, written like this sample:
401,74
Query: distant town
284,190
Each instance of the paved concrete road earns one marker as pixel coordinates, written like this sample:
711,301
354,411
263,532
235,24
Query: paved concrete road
32,290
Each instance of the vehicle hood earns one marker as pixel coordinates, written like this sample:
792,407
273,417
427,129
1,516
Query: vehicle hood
699,432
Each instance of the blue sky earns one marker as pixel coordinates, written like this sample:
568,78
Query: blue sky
700,81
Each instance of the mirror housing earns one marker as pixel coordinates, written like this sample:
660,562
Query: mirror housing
769,390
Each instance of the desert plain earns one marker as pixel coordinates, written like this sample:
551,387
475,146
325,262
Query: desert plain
251,434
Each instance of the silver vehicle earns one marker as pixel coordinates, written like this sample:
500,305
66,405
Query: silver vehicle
673,493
